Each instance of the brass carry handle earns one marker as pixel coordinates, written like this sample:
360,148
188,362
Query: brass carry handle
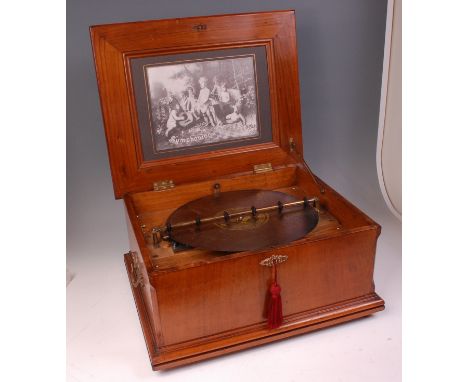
136,277
273,260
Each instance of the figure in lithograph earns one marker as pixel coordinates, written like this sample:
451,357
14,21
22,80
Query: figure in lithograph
202,102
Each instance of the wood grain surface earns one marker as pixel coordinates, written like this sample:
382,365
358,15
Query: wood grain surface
197,304
114,45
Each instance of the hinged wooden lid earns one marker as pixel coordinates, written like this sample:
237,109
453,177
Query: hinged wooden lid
213,125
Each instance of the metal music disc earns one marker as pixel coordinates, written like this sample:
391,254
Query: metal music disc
244,233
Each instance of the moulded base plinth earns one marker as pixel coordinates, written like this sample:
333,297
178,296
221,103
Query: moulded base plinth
182,354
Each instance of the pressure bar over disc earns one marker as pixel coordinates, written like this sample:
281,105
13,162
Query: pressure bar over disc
241,220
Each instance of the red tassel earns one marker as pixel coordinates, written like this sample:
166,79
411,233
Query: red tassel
275,309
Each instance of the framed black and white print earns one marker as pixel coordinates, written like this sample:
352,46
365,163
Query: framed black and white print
189,103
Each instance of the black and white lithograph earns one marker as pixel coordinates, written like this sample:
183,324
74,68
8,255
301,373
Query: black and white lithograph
197,103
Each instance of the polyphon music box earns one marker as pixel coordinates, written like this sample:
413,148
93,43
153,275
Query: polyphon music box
234,242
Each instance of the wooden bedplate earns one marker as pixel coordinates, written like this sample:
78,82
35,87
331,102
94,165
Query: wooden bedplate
165,259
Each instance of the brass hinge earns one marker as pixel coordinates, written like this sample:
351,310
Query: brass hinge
261,168
163,185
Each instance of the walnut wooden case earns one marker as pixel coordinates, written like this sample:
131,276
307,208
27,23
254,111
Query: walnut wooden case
197,304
